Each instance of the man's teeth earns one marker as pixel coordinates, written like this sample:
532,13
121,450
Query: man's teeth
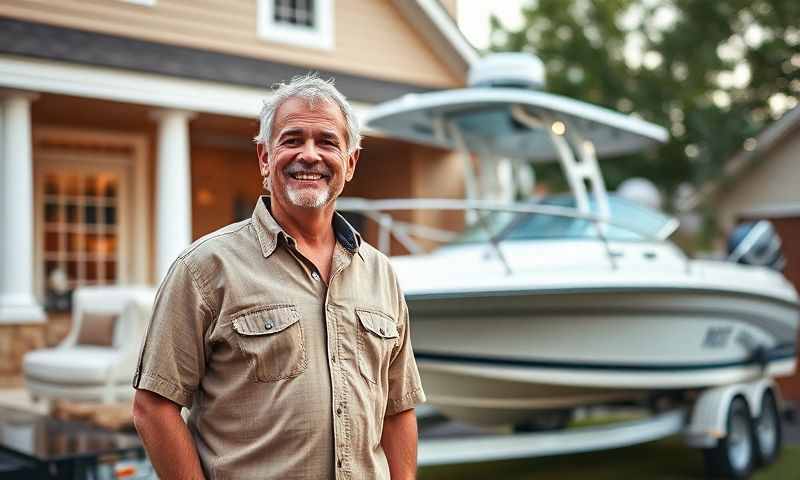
307,176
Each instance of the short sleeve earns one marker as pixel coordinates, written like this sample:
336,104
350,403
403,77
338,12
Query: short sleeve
405,386
172,358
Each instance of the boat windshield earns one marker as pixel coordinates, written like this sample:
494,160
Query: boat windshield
632,222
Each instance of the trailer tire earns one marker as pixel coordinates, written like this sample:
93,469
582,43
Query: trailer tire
768,432
735,454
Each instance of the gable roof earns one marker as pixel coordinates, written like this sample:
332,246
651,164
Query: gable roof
437,26
744,159
428,19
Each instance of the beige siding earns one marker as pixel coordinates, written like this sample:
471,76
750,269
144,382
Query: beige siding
371,37
771,182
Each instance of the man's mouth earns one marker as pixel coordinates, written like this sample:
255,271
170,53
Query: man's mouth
307,176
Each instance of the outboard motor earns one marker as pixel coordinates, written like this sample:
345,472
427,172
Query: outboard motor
756,243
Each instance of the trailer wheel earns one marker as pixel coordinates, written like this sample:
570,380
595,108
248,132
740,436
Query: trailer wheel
734,456
768,430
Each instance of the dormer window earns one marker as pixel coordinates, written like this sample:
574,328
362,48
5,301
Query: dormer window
306,23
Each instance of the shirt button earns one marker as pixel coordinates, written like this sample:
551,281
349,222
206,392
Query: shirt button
339,411
315,276
339,463
268,325
382,332
333,358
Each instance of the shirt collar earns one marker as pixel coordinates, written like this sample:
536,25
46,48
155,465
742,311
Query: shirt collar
269,231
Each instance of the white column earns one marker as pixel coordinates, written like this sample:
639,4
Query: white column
17,302
173,188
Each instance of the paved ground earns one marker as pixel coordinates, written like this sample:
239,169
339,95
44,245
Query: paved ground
432,426
791,427
19,399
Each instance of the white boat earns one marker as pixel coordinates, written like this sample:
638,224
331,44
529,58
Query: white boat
543,306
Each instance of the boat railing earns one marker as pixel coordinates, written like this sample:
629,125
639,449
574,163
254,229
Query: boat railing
403,232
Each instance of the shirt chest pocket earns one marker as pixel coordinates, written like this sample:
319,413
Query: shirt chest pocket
271,337
377,337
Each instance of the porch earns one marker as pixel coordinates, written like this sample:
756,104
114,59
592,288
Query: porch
103,192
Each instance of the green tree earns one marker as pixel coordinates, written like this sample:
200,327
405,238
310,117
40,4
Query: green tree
714,72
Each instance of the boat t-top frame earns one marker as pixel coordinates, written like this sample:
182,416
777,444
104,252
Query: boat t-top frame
505,117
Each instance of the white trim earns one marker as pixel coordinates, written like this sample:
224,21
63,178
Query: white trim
320,36
145,3
439,30
134,87
445,24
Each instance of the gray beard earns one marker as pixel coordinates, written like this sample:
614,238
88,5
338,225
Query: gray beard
308,198
304,198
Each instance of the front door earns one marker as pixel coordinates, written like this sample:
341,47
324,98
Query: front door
83,199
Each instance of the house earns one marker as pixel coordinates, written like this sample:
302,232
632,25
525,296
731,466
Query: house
127,129
761,182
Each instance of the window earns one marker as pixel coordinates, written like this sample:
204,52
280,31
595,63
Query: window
306,23
92,207
294,12
81,211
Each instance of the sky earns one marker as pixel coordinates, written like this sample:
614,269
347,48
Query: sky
473,18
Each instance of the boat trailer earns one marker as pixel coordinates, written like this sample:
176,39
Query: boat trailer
737,426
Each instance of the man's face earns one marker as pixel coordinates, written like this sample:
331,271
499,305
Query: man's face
307,163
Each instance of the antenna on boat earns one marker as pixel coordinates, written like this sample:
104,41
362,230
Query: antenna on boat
471,216
495,244
470,181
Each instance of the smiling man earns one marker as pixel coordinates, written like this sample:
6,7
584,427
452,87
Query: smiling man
285,335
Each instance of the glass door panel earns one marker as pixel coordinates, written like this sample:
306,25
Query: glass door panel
80,244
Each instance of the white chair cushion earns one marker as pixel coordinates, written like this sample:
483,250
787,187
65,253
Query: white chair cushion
82,365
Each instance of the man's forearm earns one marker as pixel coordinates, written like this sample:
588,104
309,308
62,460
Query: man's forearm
399,442
166,437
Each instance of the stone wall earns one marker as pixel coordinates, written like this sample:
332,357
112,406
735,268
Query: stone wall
16,340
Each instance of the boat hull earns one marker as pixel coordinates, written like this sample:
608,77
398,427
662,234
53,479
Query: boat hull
506,357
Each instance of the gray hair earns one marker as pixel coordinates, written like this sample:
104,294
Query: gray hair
311,88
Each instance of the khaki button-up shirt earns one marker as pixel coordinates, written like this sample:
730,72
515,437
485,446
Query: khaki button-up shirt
284,376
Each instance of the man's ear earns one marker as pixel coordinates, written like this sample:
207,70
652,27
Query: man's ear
352,160
263,159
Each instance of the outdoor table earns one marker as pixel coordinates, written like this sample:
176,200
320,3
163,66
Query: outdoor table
34,446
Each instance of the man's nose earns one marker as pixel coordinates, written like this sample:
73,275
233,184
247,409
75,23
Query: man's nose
310,151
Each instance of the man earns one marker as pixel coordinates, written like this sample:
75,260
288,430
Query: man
285,335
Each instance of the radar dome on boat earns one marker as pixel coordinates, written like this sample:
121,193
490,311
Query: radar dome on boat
520,70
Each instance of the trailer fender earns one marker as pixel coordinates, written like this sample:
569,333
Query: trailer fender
709,414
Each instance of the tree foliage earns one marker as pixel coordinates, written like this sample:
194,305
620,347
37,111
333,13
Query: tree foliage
713,72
